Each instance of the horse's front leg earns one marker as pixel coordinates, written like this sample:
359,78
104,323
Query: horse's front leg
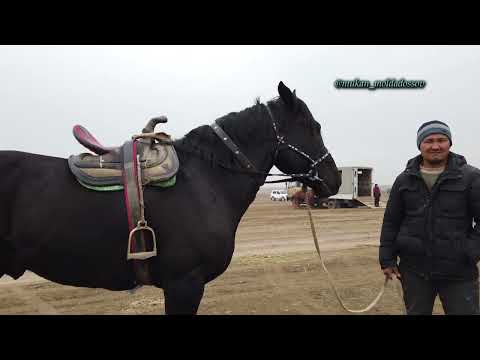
183,294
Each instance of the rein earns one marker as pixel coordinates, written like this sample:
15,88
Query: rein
332,282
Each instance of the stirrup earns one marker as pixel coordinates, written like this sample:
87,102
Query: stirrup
143,255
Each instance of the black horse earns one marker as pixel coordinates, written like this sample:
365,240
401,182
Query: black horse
54,227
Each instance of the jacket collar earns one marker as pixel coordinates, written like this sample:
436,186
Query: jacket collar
454,163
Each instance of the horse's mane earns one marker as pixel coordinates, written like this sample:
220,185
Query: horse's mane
203,142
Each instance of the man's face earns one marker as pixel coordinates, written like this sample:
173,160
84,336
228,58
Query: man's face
435,149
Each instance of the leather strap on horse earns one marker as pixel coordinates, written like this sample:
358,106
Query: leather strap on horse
232,146
135,211
332,283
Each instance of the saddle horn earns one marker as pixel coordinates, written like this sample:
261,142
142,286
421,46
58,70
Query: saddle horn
150,127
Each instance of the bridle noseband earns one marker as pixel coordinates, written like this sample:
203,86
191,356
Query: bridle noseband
311,175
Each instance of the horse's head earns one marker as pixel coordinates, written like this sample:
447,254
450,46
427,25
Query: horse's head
300,145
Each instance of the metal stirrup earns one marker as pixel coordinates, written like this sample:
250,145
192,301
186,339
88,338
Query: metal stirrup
141,225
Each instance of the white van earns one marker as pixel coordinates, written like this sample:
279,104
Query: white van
280,195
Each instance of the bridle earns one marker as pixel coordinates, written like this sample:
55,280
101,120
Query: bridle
311,175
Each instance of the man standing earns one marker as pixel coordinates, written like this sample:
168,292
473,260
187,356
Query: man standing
428,224
376,195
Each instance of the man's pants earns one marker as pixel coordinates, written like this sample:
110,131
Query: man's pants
377,202
457,297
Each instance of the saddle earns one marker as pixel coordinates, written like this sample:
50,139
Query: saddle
104,171
146,159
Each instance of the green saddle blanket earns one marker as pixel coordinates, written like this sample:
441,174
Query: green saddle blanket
164,184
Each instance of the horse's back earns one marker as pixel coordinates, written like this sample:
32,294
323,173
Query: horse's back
18,166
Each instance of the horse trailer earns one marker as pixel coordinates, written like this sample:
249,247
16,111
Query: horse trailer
356,188
355,191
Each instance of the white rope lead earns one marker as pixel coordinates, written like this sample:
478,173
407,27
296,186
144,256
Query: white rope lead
332,283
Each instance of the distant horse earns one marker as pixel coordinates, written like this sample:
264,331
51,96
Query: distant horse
54,227
303,197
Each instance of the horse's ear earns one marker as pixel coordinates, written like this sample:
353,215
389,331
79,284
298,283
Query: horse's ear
294,98
289,98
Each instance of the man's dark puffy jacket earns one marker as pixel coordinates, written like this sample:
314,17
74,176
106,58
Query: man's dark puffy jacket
432,231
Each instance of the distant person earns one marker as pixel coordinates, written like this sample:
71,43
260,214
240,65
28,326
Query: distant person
428,226
377,193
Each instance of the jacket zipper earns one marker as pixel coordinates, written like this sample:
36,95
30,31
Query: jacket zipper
428,211
430,195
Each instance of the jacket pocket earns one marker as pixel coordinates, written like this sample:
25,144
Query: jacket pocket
413,199
452,200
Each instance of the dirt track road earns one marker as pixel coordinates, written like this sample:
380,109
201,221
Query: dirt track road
275,270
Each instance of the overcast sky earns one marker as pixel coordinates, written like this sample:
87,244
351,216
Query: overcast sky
114,90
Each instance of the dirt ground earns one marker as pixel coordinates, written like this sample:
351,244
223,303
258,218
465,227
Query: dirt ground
275,270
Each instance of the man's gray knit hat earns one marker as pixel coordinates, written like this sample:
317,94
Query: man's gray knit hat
433,127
